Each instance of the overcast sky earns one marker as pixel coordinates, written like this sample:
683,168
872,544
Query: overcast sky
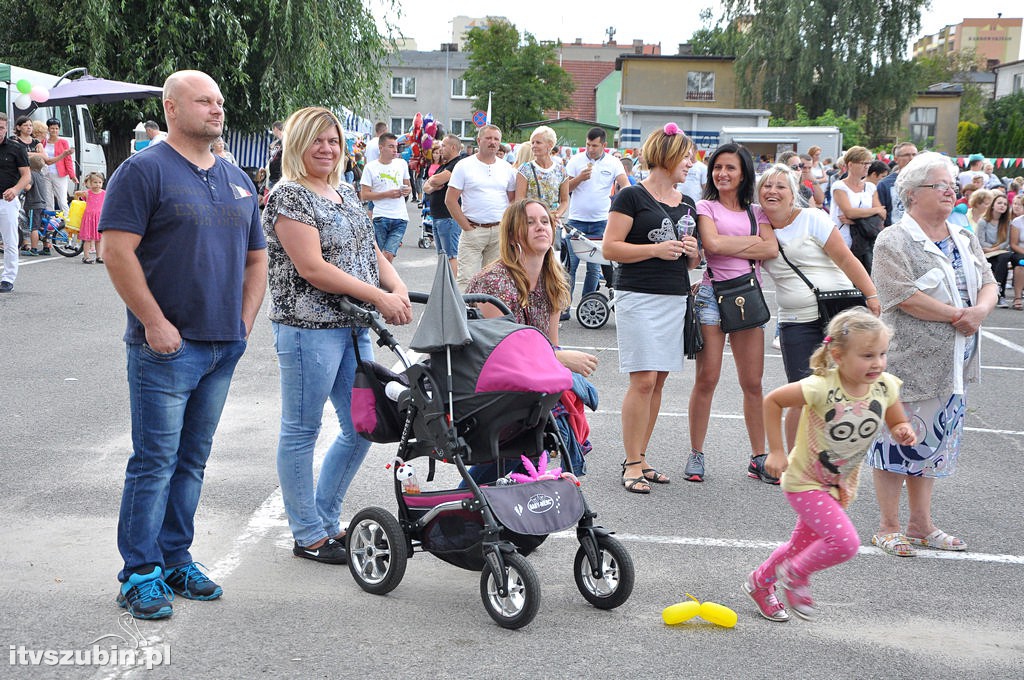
429,23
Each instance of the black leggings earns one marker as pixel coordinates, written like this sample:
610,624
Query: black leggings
1000,269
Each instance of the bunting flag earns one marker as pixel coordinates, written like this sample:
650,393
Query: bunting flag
999,162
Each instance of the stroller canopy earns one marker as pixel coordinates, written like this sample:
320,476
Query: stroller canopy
504,357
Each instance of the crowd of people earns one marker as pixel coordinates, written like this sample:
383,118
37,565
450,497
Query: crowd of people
901,351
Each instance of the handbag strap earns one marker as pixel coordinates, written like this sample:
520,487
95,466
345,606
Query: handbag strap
753,232
794,268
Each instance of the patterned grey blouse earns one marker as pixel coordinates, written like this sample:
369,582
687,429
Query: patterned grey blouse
346,238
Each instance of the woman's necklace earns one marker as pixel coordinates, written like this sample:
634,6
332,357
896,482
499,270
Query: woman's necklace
656,193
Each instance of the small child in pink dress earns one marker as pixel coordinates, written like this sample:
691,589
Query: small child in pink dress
89,233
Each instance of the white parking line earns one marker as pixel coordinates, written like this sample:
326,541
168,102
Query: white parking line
770,545
1005,343
266,518
735,416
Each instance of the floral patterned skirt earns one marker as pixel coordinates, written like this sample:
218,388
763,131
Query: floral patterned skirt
939,425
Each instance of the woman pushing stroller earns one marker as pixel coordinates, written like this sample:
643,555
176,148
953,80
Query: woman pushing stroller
321,247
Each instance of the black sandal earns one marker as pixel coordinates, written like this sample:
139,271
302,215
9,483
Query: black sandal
631,482
656,477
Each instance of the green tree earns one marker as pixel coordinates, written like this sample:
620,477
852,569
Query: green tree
966,137
1003,131
270,57
954,67
826,54
853,130
712,39
522,75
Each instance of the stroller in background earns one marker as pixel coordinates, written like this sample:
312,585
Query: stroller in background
426,227
489,412
594,308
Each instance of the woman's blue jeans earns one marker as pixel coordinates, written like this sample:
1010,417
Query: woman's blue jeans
176,402
317,365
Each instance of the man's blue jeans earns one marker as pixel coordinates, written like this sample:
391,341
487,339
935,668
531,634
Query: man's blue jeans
176,402
389,232
593,230
317,365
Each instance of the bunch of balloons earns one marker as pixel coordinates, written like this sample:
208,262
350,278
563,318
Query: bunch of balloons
422,137
28,93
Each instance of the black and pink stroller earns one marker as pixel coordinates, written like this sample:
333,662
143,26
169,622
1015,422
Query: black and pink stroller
485,403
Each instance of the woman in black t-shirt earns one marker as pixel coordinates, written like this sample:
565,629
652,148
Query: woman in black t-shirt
650,233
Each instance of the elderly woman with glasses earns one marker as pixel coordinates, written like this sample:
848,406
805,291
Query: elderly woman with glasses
936,288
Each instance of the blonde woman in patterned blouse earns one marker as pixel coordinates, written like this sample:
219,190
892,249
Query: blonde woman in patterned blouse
321,248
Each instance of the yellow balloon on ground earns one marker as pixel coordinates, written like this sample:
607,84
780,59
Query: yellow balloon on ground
718,614
715,613
677,613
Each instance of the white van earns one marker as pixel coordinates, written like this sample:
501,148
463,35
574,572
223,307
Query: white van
75,122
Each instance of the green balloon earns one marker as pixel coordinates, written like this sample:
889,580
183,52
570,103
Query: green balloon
24,86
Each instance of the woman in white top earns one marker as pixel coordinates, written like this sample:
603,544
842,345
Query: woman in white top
542,178
812,243
818,174
852,196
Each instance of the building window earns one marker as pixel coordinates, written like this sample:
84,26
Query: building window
459,88
465,129
403,86
922,124
400,126
700,86
1018,83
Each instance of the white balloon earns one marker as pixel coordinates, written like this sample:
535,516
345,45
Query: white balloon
23,101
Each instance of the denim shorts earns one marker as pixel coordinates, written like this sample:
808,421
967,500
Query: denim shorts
707,306
389,233
446,236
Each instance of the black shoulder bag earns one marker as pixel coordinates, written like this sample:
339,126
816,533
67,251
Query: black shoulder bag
830,302
741,303
693,337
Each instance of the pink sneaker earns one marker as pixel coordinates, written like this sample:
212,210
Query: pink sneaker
798,595
767,603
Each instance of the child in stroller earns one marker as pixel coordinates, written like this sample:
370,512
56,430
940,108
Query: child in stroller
479,408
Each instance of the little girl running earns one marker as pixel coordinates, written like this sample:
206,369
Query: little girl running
843,403
89,232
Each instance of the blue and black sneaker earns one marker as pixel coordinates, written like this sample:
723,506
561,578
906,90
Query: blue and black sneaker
146,596
188,581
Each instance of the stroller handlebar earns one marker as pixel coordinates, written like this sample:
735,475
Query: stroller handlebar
468,298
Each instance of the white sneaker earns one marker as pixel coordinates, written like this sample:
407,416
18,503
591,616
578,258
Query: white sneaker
777,343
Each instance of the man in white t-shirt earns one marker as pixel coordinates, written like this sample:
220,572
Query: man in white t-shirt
373,146
975,162
486,184
590,177
696,180
386,182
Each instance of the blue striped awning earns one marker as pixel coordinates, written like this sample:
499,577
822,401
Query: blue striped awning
251,150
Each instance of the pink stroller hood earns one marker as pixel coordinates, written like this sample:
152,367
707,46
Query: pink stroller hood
523,362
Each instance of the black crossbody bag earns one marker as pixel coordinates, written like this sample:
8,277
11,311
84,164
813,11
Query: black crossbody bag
741,303
830,302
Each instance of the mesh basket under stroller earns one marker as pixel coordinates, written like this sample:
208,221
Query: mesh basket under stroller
488,412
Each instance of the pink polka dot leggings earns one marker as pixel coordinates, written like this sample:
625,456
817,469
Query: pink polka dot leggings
824,537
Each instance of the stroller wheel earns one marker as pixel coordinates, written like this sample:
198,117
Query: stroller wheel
523,600
593,311
614,585
376,550
425,243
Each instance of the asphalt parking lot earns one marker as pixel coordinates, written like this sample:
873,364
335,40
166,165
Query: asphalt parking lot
65,439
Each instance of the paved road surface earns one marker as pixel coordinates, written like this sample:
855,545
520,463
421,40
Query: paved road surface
64,440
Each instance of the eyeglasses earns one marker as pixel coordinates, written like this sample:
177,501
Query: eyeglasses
941,187
797,167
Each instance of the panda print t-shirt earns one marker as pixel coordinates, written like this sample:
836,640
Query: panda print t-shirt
835,433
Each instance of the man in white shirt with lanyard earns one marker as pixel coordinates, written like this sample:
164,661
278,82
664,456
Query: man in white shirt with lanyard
591,174
486,184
